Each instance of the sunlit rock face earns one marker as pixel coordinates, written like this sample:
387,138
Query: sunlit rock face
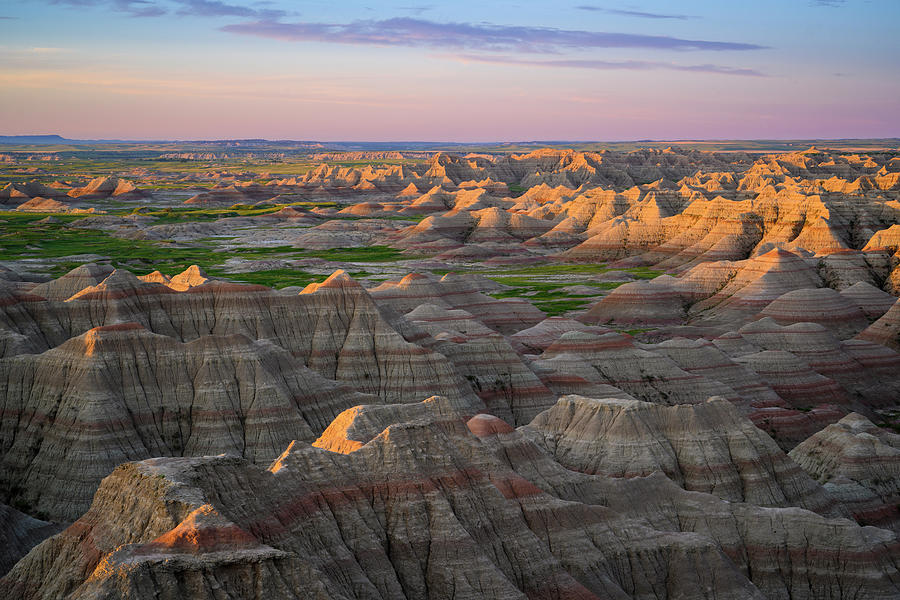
127,369
372,522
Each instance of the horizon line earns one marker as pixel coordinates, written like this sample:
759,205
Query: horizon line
437,141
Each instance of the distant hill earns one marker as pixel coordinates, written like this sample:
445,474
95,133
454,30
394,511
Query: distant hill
55,140
254,144
34,139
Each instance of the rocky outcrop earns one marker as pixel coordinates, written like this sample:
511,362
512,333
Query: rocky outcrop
613,359
120,393
538,338
786,552
872,301
20,533
859,465
439,507
129,369
506,315
754,285
74,281
382,540
650,303
886,330
704,447
334,328
104,187
508,387
824,306
776,300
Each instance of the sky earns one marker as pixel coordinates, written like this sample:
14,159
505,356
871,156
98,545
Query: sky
467,71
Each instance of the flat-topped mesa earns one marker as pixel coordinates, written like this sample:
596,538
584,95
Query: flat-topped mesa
120,392
705,447
859,465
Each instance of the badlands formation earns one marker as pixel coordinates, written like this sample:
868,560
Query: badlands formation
654,374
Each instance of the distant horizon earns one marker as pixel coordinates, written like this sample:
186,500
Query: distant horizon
441,141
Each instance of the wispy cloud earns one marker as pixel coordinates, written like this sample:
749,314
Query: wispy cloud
214,8
47,50
417,9
607,65
292,88
37,58
2,18
184,8
132,8
420,33
831,3
633,13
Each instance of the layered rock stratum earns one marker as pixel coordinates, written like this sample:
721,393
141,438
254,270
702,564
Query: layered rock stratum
653,374
435,506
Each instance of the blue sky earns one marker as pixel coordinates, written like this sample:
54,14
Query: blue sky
464,71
